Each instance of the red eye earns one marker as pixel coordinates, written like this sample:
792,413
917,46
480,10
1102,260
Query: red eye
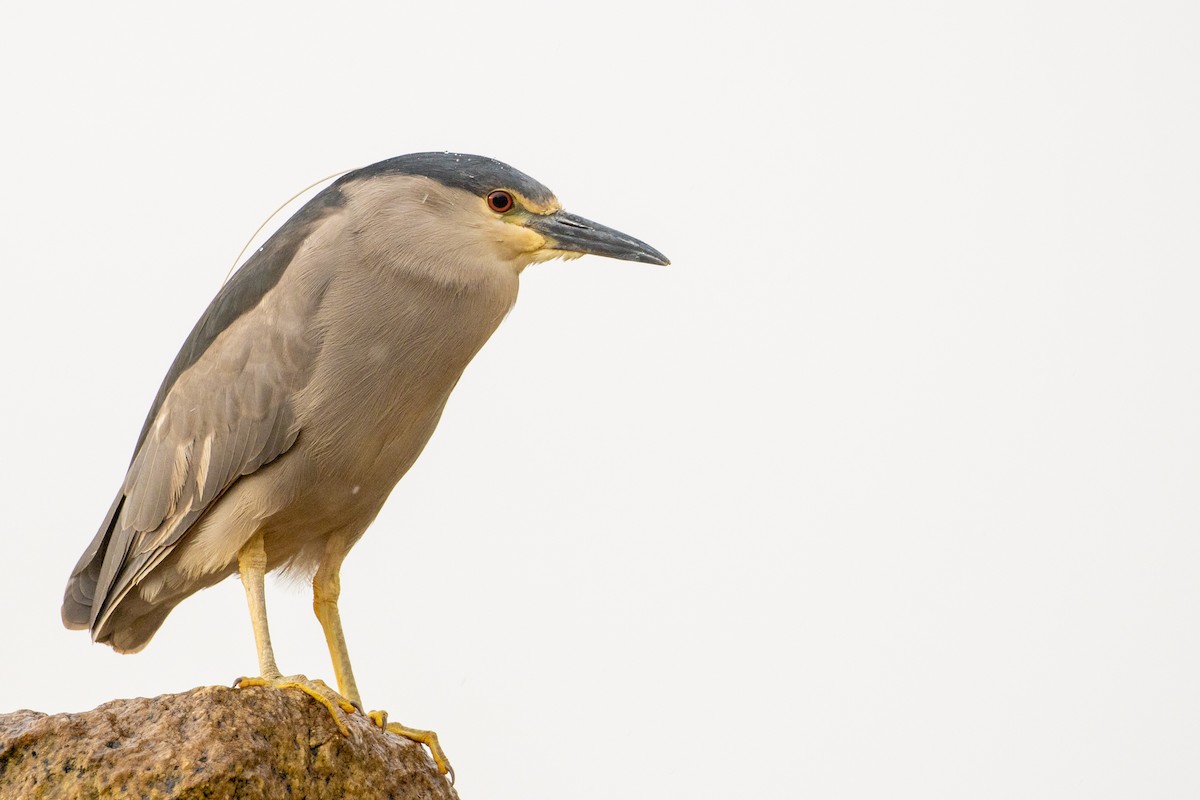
500,201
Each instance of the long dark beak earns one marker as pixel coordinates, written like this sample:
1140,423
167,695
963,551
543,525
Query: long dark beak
578,235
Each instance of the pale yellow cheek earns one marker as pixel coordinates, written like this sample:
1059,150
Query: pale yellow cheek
523,240
518,245
522,247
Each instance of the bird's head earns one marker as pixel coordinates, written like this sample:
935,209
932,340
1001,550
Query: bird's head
475,206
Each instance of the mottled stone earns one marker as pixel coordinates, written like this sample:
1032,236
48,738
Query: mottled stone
213,743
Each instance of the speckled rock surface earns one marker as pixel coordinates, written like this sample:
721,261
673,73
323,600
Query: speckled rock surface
213,743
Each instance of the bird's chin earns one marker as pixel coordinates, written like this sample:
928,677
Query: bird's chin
547,254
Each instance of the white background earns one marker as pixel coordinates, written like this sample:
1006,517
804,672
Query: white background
886,488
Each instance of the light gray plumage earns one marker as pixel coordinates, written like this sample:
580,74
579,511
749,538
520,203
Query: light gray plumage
315,378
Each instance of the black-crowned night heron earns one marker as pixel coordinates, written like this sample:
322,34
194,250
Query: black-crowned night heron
310,386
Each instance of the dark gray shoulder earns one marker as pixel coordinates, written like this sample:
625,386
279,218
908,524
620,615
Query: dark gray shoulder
245,289
476,174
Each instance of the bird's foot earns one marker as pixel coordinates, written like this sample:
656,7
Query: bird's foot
427,738
337,705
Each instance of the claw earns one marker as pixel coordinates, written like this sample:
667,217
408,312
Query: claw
334,703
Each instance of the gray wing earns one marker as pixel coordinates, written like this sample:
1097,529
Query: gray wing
225,409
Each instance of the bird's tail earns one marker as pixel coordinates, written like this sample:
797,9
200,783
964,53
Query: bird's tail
125,623
79,600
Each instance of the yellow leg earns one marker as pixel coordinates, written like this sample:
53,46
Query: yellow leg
252,565
327,587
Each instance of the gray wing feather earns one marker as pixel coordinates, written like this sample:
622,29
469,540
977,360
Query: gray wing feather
224,410
226,417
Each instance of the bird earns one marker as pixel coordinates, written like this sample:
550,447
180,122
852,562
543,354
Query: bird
309,387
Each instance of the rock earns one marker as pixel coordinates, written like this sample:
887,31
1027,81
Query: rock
212,742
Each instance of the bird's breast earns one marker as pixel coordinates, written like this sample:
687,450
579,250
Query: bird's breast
393,346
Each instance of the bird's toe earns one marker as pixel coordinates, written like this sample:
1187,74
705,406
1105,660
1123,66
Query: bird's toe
337,706
427,738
